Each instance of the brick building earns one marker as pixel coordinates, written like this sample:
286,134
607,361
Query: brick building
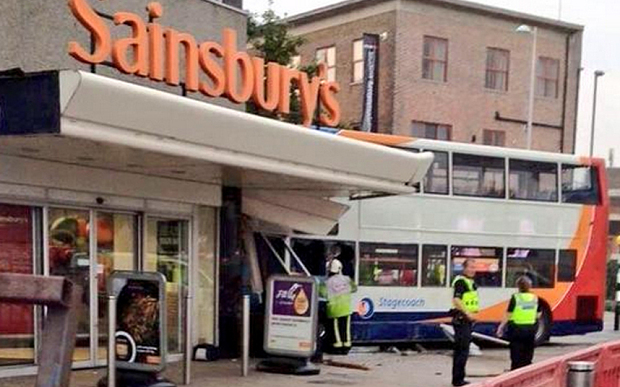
450,69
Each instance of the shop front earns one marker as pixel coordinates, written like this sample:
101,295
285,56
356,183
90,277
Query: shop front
86,245
98,175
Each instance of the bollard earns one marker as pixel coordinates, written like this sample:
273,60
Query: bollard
245,353
111,341
617,303
187,372
580,374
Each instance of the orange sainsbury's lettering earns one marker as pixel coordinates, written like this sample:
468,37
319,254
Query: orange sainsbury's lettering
214,71
153,50
139,43
99,31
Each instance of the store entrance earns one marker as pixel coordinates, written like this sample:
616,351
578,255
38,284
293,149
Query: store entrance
86,246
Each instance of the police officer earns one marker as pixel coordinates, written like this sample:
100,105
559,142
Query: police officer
465,302
521,317
338,289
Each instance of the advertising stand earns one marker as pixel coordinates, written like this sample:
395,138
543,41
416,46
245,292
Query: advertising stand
291,320
138,317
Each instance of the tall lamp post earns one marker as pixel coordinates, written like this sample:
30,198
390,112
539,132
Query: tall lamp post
597,74
524,28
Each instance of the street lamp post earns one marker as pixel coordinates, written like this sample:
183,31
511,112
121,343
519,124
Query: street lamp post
524,28
597,74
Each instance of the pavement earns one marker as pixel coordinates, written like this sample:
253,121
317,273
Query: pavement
430,368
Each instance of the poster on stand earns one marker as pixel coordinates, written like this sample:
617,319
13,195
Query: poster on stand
140,320
291,316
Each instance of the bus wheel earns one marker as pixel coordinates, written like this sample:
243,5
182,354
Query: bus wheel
544,325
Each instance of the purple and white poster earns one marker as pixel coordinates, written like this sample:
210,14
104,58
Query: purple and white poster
291,316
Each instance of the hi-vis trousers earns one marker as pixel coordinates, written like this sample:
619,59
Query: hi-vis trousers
339,336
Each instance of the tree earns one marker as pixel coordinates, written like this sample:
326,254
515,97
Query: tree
268,34
269,37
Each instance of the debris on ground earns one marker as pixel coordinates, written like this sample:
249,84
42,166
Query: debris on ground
342,364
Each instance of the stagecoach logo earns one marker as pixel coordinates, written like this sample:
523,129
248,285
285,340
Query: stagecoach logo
365,308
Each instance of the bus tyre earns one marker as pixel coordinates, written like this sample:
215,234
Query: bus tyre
543,330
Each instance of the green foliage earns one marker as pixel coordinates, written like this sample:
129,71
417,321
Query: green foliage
268,34
269,38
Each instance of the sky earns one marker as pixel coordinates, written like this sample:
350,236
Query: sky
601,51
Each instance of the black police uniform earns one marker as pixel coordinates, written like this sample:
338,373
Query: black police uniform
462,335
522,340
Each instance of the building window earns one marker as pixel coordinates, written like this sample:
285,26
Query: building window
434,264
383,264
435,60
478,176
295,62
498,61
547,74
532,180
358,61
538,265
487,262
494,137
431,131
436,180
327,55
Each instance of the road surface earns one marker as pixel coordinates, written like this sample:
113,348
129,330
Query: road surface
426,369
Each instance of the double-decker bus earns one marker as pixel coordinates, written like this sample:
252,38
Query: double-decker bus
516,212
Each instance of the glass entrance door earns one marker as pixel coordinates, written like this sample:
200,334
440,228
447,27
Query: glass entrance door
167,252
69,256
116,250
81,252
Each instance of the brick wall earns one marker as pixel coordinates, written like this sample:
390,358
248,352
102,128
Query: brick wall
463,101
342,36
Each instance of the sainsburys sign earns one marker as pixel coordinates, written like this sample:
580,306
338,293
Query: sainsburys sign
211,68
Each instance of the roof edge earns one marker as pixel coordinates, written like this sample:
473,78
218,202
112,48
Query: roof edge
343,6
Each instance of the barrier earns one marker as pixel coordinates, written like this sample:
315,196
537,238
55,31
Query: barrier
62,299
553,372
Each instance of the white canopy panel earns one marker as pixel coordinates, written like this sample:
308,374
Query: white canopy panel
101,109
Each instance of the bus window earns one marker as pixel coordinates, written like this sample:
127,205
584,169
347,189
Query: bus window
488,263
531,180
383,264
567,265
314,254
579,185
478,176
434,264
436,180
537,264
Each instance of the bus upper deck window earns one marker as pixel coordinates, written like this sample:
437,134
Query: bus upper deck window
480,176
579,184
532,180
436,180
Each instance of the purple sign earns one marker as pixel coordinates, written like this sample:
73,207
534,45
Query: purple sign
291,318
292,298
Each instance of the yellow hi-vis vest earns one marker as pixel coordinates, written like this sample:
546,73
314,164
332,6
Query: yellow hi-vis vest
470,297
526,308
